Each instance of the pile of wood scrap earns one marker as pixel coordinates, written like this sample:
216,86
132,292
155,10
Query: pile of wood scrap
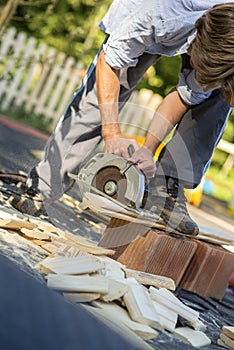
48,238
142,302
227,337
84,272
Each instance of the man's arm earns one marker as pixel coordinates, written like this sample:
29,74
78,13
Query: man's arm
108,86
167,115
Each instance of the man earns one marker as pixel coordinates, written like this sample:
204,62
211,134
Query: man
138,33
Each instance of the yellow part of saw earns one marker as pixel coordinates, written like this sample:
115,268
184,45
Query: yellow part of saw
115,177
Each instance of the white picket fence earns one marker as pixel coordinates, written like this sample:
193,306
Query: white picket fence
42,80
35,76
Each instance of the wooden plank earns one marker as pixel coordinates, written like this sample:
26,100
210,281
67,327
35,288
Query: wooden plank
31,73
72,266
214,240
15,239
139,304
168,299
229,331
66,283
112,209
227,341
168,318
116,289
118,314
113,269
82,297
7,41
190,336
109,261
36,234
11,62
149,279
54,247
16,224
87,245
56,62
19,76
71,251
45,226
34,99
113,272
221,343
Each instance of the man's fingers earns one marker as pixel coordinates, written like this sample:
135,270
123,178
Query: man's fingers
148,168
121,146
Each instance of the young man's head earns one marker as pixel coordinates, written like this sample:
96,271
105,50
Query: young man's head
212,51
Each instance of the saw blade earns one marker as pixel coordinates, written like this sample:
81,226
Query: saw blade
110,181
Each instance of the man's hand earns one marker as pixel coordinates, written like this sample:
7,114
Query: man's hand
119,145
145,161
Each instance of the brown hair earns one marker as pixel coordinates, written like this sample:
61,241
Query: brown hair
213,49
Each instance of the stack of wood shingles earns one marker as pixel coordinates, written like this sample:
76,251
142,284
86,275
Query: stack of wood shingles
227,337
142,302
122,299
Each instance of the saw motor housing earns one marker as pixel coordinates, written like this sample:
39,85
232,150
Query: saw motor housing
114,176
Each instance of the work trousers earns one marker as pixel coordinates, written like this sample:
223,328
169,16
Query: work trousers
78,134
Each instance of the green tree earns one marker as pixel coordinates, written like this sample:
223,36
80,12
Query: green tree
70,26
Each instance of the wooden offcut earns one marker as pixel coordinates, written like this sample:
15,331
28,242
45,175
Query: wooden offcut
116,289
68,283
81,297
197,339
169,300
209,271
228,331
139,304
227,341
167,317
72,266
149,279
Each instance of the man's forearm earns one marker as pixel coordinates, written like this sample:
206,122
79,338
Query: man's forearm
167,115
108,92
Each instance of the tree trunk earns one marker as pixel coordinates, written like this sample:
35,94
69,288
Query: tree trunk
7,13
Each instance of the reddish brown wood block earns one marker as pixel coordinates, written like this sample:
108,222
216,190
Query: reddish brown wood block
171,256
137,254
119,233
146,250
194,265
209,271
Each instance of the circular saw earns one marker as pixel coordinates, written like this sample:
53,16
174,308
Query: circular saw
115,177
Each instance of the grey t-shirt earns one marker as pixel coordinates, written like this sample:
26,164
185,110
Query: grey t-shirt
164,27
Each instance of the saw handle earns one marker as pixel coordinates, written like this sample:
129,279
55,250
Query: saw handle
131,150
128,165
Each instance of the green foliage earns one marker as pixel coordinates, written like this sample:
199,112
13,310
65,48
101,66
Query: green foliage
229,130
223,186
163,76
70,26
